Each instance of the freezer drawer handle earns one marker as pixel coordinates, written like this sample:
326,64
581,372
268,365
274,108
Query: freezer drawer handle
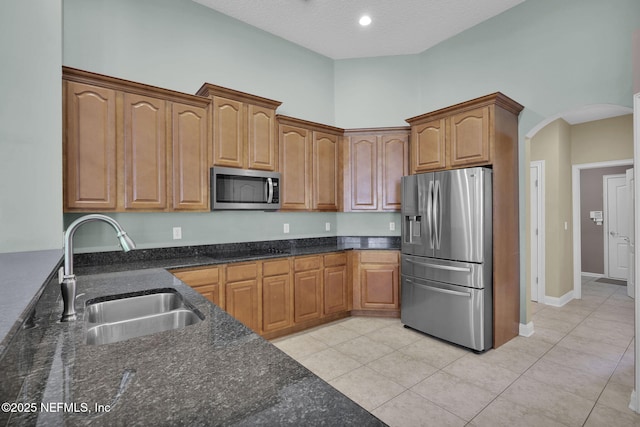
444,291
441,267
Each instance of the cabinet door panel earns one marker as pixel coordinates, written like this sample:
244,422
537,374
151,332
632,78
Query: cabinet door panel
90,147
379,286
307,296
394,165
261,138
210,292
295,167
335,289
145,152
428,146
325,169
276,302
470,137
242,302
228,136
364,172
190,161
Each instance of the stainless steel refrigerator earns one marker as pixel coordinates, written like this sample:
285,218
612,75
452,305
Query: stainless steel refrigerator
447,256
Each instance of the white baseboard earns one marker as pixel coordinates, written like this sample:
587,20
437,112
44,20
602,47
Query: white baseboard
633,402
558,302
586,273
526,330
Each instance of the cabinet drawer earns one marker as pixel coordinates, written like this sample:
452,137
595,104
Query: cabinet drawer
332,260
237,272
276,267
377,257
201,276
308,263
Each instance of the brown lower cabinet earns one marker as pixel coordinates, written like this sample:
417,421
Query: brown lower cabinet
279,296
307,288
276,295
336,284
376,283
242,299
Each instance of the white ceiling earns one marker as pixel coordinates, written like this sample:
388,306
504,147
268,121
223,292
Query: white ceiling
330,27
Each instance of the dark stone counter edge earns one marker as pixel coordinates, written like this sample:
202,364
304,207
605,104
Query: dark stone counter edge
26,274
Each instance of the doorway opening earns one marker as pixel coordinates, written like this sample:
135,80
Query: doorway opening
577,218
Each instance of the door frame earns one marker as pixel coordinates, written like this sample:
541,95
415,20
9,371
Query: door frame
577,238
605,224
540,210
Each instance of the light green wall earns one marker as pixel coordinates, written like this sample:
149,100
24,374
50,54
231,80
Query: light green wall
180,44
30,125
156,230
377,91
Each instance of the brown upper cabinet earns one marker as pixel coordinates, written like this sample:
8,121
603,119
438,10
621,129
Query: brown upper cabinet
375,160
130,146
310,164
461,135
244,129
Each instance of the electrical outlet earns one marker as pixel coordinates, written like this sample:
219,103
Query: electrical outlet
286,228
177,233
327,226
392,226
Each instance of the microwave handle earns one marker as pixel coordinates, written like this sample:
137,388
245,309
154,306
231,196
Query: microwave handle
269,190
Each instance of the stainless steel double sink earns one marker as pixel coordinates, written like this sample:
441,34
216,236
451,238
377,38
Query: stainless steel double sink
121,317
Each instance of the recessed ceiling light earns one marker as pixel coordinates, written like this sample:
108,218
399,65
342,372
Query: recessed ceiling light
365,20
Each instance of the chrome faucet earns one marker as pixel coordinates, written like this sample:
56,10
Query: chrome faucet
68,279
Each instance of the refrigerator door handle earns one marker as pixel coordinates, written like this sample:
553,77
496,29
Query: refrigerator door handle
441,267
443,291
430,218
437,214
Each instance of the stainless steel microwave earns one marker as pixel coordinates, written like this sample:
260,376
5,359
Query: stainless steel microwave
241,189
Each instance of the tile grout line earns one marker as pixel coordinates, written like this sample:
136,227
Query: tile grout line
546,352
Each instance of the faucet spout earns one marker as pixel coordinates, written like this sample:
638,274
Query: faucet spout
68,284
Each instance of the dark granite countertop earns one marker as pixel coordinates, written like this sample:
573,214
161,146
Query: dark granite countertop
215,372
21,283
200,256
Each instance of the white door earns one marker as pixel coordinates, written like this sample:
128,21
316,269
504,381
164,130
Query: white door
631,281
616,219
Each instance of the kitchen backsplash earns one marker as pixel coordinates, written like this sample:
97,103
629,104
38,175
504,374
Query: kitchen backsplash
155,230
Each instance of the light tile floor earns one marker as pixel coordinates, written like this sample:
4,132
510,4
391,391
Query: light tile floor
577,369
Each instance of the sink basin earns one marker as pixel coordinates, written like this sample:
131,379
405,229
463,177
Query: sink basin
125,308
121,317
